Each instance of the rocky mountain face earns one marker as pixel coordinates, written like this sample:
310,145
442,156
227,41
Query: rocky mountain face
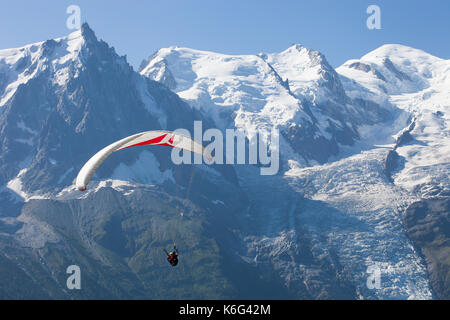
359,145
427,223
64,99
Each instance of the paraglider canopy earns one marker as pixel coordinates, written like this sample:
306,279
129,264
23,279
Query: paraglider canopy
157,138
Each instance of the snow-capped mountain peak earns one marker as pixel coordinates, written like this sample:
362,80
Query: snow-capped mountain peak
400,53
308,73
394,69
61,57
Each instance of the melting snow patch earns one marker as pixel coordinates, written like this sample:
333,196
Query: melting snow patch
15,185
145,170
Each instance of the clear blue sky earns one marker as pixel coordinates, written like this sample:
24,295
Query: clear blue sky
138,28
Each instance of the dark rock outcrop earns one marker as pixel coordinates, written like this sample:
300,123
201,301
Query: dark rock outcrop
428,225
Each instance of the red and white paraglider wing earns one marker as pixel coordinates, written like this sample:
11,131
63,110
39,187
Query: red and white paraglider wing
162,138
148,138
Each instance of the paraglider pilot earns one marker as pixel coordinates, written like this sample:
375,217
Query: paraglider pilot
172,256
